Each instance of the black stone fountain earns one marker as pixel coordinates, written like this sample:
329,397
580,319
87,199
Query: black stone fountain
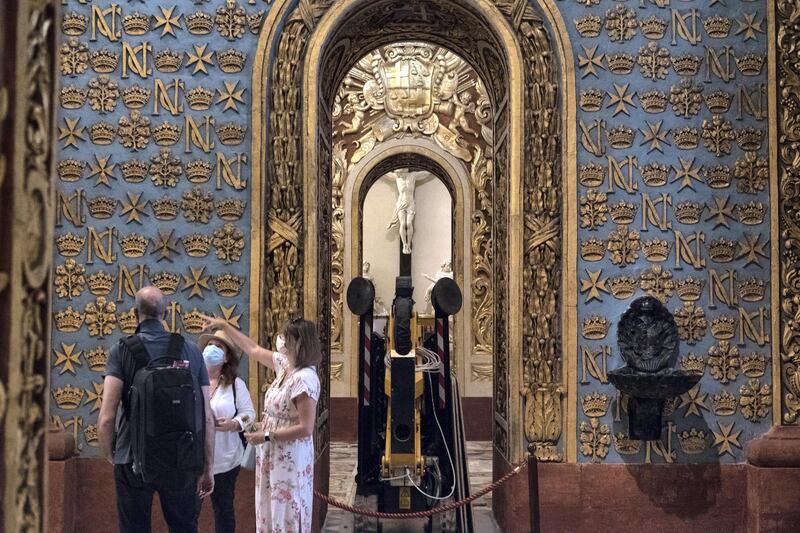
647,337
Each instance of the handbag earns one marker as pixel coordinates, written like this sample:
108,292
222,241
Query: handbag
248,461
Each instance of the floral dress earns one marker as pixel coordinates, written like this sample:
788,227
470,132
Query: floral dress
285,470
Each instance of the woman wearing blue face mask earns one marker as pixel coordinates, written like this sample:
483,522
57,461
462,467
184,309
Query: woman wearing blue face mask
233,411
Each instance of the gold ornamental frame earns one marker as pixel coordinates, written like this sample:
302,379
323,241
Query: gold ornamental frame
503,19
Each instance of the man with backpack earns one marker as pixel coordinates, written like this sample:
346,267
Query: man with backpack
161,439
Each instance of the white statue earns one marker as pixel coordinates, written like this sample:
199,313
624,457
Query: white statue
445,271
365,271
379,308
404,209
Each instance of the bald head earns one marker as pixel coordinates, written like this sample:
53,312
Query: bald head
150,303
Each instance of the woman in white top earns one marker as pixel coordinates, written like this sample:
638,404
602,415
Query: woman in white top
233,412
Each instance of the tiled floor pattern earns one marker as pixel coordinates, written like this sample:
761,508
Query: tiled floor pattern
342,487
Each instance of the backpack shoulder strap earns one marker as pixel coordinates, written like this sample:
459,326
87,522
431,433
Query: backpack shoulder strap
134,356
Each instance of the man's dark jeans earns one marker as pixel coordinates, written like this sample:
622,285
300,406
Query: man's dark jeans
178,497
222,501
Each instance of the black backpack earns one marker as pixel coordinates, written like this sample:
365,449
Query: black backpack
165,410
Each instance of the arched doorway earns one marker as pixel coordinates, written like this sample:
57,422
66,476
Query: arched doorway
302,57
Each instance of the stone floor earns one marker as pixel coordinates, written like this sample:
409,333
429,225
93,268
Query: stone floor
342,487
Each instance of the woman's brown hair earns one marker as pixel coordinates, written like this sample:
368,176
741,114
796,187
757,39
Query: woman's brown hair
230,369
301,336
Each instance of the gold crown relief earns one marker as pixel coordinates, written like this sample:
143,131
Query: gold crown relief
653,27
69,320
655,174
752,289
134,171
656,250
254,21
749,139
136,96
96,359
101,283
166,281
620,63
70,170
689,289
591,99
625,445
192,321
653,101
230,209
686,138
231,61
197,245
588,26
750,64
686,65
127,321
593,249
622,287
136,23
104,61
134,245
693,364
688,212
198,171
595,404
230,133
199,23
717,27
68,397
199,98
718,176
166,208
74,24
721,250
620,137
70,244
168,60
90,434
723,327
228,285
751,213
166,134
102,207
693,441
72,97
623,212
724,404
102,133
718,102
592,175
595,327
753,365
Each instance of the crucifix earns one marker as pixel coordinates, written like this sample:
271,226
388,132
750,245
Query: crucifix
404,212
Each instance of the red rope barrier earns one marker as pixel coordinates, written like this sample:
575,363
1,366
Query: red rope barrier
423,514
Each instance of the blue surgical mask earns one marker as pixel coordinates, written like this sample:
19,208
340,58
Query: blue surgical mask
213,355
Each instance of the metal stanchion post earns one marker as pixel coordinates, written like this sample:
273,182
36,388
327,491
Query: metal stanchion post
533,493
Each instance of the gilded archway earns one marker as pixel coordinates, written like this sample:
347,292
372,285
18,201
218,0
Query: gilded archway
312,45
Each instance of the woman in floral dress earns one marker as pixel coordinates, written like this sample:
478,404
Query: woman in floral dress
285,455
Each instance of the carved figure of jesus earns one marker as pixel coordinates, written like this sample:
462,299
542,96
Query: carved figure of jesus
404,208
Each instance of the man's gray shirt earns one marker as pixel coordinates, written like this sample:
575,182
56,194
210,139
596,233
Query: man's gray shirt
155,339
